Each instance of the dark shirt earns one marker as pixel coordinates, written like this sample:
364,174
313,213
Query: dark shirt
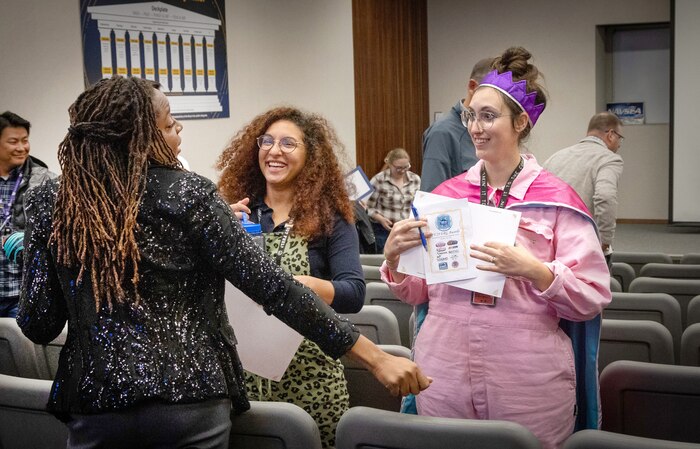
335,258
176,345
447,150
34,172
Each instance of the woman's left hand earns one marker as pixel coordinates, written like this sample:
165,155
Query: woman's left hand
512,260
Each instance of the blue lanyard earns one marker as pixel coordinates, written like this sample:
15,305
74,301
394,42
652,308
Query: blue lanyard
7,208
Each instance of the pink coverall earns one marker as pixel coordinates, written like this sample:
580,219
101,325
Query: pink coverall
512,361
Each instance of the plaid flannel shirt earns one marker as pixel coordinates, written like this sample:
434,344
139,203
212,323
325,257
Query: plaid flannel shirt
392,202
11,272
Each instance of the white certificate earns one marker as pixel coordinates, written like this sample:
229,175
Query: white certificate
487,224
448,247
265,344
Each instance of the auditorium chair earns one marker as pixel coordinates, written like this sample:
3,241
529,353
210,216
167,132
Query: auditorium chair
24,421
638,259
368,428
660,307
681,289
377,323
642,340
600,439
378,294
274,425
651,400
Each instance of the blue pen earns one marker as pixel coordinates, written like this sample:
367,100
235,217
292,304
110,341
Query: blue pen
420,231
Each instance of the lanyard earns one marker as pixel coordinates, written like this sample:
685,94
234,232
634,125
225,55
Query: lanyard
283,241
506,188
7,208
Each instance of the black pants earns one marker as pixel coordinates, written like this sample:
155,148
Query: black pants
201,425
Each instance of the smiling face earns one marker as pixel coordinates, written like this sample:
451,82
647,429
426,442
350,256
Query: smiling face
500,141
279,168
168,126
14,148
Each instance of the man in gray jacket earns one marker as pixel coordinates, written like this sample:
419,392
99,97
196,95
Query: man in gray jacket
593,168
18,173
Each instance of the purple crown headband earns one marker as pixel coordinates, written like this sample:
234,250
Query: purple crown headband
516,92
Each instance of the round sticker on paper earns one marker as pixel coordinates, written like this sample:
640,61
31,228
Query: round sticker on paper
443,222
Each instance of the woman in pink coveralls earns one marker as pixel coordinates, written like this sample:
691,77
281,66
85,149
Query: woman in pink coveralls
509,360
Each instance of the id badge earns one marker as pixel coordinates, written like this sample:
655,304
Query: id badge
481,299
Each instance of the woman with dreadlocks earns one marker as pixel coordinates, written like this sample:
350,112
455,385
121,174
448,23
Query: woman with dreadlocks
133,252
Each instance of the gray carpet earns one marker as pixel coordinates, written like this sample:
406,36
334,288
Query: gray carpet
673,240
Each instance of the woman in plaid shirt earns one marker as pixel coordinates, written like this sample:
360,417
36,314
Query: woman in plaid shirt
394,188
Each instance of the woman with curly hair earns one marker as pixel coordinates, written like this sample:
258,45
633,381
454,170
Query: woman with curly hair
284,166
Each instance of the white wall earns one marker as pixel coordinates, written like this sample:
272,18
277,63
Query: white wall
562,37
686,157
279,52
300,52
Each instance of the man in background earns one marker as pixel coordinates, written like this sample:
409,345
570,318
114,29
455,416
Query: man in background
593,168
447,147
18,173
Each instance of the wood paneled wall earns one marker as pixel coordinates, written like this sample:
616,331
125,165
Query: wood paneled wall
391,79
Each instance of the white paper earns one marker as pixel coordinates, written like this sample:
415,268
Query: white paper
265,344
357,184
496,225
448,248
488,224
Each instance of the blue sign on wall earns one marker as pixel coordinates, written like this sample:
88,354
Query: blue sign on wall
628,113
179,44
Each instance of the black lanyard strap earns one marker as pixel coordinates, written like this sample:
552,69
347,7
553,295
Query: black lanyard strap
506,188
285,236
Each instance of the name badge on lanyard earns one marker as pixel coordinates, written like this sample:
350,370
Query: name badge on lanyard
481,299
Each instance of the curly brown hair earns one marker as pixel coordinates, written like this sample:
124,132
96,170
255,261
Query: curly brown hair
319,189
104,159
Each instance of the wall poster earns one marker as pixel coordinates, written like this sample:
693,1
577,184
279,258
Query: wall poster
179,43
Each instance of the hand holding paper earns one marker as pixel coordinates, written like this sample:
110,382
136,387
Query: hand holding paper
486,224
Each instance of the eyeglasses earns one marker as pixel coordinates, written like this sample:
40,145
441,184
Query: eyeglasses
620,136
286,144
485,119
404,168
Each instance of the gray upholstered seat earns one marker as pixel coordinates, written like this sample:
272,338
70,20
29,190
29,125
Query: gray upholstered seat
671,270
641,340
651,400
274,425
25,423
624,273
371,273
692,258
365,428
377,323
18,355
378,294
372,260
660,307
600,439
638,259
690,346
681,289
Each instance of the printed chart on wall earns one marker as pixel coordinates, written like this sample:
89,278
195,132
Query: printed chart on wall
181,44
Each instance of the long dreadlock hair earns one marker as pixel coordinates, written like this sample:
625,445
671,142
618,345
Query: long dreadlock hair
104,159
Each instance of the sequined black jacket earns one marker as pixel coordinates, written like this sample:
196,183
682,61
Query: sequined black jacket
176,345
